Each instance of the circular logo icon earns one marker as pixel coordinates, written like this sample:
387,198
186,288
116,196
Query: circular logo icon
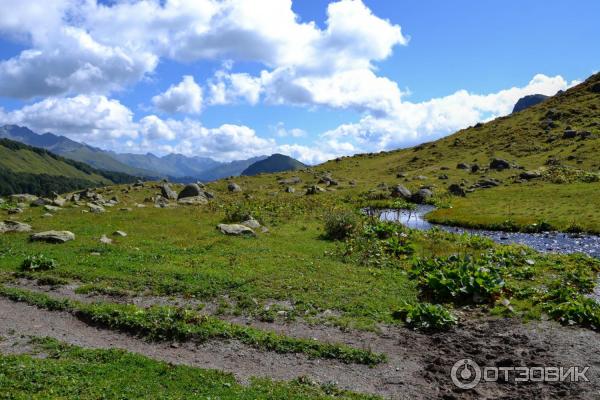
466,374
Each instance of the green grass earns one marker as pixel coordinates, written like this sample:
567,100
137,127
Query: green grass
562,207
30,162
170,323
71,372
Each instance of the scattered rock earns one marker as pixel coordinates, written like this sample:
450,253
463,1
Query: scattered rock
569,134
15,210
402,192
499,164
251,223
52,208
47,215
53,236
161,202
192,201
314,189
234,187
443,177
105,240
474,168
139,183
456,190
191,190
422,196
120,233
463,166
290,189
235,230
528,175
487,183
167,192
95,208
420,178
40,202
14,226
294,180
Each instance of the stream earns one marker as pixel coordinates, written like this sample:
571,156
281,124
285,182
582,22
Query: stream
556,242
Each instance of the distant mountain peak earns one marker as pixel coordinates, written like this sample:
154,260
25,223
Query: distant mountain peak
275,163
529,101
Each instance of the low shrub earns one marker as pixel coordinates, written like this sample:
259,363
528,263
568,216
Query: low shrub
340,224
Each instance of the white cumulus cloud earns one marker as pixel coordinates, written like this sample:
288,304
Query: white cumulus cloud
186,97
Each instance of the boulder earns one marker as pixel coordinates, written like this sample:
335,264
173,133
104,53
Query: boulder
53,236
139,183
314,189
443,177
463,166
474,168
15,210
167,192
40,202
59,201
192,201
488,183
456,190
14,226
294,180
499,164
235,230
234,187
251,223
422,196
402,192
528,175
161,202
191,190
290,189
569,134
52,208
120,233
105,240
95,208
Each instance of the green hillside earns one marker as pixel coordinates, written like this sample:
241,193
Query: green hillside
274,163
37,171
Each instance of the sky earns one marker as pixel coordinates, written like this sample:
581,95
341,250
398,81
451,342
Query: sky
313,79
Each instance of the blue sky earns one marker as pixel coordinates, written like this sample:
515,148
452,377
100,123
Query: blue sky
313,79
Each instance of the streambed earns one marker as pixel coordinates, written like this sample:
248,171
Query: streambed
557,242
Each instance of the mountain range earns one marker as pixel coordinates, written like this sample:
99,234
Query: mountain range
176,167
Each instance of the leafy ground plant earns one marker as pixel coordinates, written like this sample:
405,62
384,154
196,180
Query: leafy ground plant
458,279
426,317
38,263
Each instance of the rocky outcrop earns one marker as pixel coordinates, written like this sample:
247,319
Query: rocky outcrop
53,236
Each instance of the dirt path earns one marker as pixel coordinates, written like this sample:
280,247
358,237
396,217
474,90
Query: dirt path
418,368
